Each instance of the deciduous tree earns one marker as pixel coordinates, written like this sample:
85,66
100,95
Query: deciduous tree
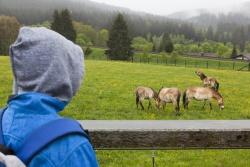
9,27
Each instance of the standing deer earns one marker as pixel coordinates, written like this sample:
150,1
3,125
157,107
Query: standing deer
208,81
202,94
145,93
169,95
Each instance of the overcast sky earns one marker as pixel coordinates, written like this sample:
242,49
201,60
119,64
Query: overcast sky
165,7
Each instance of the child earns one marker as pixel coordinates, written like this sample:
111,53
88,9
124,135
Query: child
47,70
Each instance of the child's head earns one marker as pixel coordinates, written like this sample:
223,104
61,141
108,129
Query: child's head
43,61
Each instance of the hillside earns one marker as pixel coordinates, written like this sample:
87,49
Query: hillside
238,14
96,14
192,23
100,15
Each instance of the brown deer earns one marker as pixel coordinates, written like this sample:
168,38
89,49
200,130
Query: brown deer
169,95
208,81
145,93
202,94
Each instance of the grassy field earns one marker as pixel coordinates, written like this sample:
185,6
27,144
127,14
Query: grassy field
108,93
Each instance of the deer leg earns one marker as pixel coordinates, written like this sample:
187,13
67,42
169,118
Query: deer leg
186,104
164,106
141,105
149,104
177,111
210,104
137,101
205,102
177,108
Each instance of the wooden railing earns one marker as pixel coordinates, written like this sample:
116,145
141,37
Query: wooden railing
168,135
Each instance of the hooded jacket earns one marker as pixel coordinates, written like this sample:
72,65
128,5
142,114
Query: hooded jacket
47,70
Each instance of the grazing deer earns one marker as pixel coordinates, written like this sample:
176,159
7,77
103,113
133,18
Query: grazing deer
202,94
169,95
145,93
208,81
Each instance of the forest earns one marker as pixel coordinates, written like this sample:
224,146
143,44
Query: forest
92,21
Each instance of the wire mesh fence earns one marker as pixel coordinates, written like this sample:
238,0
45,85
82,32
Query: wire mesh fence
188,62
195,62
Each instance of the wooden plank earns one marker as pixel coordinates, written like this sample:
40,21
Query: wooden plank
169,134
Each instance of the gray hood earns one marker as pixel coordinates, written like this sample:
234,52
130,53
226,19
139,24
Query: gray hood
43,61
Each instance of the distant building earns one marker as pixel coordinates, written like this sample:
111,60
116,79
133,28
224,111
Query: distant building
245,57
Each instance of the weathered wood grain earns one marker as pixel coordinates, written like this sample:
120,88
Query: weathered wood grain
169,134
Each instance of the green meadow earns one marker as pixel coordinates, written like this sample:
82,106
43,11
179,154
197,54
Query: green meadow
108,93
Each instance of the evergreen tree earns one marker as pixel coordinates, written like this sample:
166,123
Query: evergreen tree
62,23
248,32
242,41
234,53
154,48
68,28
210,33
239,38
119,43
9,27
56,24
166,44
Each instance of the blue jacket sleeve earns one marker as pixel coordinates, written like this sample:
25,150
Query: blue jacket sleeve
73,151
82,156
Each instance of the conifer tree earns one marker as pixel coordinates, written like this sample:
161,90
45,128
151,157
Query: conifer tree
62,23
166,44
234,53
56,24
9,27
68,28
210,33
119,43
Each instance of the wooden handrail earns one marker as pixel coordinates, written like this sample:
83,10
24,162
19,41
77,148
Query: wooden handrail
167,135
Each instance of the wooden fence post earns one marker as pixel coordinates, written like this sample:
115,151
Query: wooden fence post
153,159
233,65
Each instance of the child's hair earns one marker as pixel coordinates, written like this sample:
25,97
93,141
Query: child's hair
5,150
